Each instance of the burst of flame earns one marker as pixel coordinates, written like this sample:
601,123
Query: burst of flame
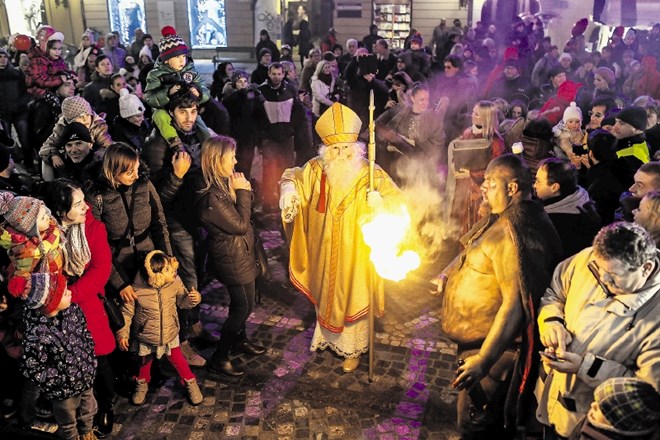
384,235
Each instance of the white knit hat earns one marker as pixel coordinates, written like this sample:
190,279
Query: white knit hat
572,112
129,104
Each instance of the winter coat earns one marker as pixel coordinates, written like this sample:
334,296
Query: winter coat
177,195
42,115
282,116
86,289
124,131
98,131
116,55
242,107
602,334
58,353
259,75
150,227
268,44
14,94
231,254
109,104
604,188
320,93
162,77
82,172
152,318
45,73
92,92
576,220
30,254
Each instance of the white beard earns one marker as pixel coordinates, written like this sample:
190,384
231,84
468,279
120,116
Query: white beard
343,172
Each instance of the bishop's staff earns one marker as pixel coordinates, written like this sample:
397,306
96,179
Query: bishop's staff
371,155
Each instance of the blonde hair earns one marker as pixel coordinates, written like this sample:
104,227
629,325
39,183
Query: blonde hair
653,200
118,158
488,111
213,151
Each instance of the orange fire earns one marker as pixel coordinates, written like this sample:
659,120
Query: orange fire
385,234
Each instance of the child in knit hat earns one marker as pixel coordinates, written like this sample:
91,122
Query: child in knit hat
58,354
570,139
74,109
623,408
32,239
172,71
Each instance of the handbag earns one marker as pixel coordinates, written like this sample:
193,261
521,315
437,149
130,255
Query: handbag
115,317
263,271
264,274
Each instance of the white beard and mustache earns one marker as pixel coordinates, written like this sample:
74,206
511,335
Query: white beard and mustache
342,172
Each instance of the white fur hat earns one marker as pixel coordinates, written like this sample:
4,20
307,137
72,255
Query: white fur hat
572,112
129,104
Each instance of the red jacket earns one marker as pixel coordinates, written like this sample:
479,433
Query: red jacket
85,289
45,73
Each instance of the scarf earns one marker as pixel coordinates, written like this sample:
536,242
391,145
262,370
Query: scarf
326,78
76,250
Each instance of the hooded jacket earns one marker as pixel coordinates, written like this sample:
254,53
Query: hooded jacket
152,319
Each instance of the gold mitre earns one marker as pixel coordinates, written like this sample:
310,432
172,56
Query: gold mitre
338,124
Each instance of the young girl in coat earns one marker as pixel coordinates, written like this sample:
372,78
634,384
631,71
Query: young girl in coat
153,325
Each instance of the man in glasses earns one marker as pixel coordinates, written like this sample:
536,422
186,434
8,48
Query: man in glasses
491,291
599,319
599,108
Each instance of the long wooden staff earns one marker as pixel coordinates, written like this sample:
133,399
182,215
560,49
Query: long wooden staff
371,155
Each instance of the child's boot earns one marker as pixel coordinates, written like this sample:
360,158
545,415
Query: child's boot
194,393
140,393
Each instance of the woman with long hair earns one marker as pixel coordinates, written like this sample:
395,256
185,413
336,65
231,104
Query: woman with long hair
87,268
466,192
224,204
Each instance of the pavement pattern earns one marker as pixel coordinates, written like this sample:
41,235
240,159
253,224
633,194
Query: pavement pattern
292,393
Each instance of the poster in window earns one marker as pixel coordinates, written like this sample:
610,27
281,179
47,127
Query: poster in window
208,26
125,17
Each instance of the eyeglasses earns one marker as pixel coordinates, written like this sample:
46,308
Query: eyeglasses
596,114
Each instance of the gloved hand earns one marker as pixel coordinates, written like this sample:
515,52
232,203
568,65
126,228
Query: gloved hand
374,200
289,201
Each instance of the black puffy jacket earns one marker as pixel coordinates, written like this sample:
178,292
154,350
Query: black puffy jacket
231,255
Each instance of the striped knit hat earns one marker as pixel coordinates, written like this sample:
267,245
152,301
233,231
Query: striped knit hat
21,212
171,45
46,291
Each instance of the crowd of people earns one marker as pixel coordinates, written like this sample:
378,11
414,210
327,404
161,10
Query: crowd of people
126,184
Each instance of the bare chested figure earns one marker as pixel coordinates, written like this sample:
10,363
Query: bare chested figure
490,292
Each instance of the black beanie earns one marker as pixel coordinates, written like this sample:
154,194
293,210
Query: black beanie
635,116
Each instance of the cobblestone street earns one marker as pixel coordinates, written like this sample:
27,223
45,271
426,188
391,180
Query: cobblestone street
292,393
